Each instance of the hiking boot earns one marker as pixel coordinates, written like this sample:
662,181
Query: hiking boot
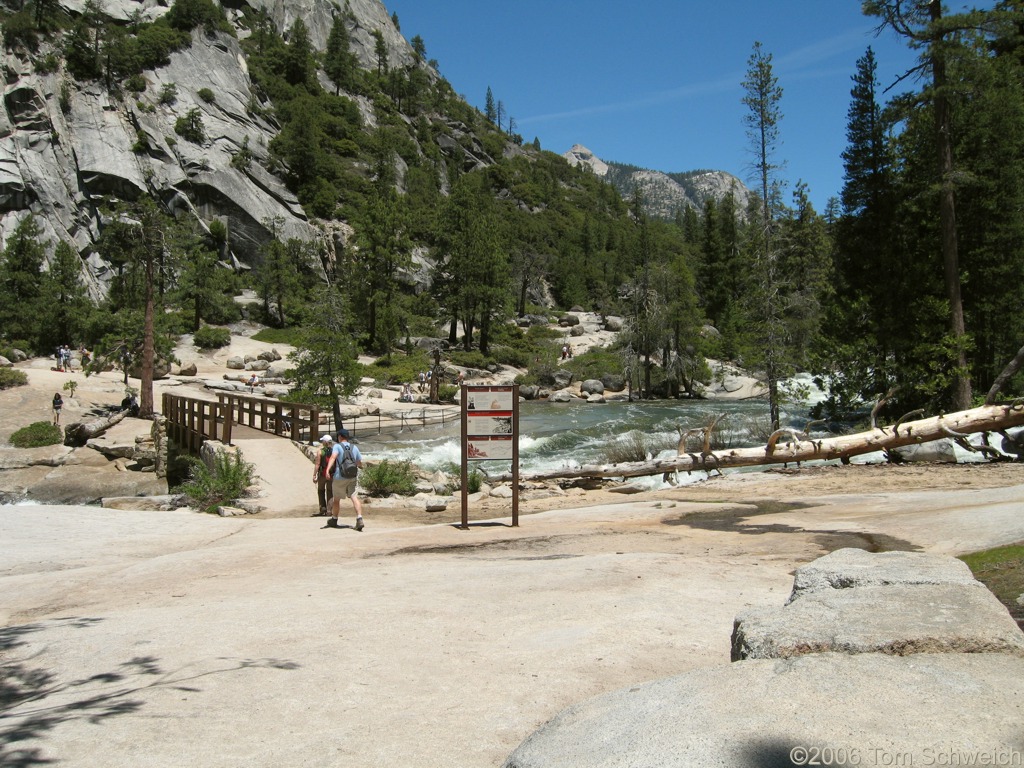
359,523
332,522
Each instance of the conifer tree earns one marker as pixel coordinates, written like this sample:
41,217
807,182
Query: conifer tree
66,304
490,110
339,61
762,96
21,284
922,23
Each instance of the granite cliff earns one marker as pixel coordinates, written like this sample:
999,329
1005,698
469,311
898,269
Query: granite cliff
665,193
68,145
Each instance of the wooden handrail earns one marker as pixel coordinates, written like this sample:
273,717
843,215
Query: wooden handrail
191,421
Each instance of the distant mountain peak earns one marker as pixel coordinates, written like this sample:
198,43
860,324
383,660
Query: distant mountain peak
665,193
580,155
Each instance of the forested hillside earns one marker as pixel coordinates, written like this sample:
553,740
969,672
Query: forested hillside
334,170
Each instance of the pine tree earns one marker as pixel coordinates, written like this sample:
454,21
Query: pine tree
922,23
66,303
762,95
21,285
868,310
490,110
339,61
299,57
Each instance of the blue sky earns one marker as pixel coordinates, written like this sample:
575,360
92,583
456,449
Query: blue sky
657,83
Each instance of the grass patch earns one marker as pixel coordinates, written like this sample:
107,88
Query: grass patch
632,446
290,335
38,434
1002,571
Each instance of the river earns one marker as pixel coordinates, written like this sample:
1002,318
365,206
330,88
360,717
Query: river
557,435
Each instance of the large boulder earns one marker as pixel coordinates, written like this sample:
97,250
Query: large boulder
933,451
847,693
528,320
869,710
592,387
613,382
893,619
612,323
562,378
529,391
850,567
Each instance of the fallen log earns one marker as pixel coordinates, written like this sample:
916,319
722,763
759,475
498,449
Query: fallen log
798,447
79,433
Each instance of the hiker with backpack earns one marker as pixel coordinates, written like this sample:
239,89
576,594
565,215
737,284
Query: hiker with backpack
343,467
320,475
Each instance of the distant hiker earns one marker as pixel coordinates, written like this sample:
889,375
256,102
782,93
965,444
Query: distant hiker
423,380
343,466
130,403
461,379
565,351
321,476
406,396
58,403
254,381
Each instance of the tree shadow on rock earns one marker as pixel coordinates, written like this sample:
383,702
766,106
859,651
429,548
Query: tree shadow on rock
33,700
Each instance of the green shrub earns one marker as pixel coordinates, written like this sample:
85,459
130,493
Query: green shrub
388,477
47,65
228,480
190,126
211,337
595,363
168,94
447,393
399,368
206,95
11,377
473,359
37,434
517,358
135,83
474,480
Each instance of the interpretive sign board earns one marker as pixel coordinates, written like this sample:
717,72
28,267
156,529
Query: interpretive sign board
490,432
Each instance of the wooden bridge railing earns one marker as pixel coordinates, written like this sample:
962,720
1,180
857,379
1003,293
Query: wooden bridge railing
299,421
191,421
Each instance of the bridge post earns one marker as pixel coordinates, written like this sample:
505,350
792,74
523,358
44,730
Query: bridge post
229,418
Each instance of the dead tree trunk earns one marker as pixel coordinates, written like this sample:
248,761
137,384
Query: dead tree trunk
78,434
796,447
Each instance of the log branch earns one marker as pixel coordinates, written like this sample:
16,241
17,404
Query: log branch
986,418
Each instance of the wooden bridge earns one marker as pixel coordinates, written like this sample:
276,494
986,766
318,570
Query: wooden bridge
191,421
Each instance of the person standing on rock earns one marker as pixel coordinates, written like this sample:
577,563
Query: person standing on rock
58,403
343,467
321,476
